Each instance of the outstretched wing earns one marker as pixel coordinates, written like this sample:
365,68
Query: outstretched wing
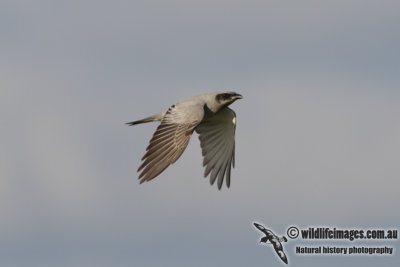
281,255
217,140
261,228
169,140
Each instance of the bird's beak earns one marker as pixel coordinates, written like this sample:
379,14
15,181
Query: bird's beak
237,96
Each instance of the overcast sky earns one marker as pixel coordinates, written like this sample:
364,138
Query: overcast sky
317,137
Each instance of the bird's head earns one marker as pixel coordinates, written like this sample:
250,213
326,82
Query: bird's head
227,98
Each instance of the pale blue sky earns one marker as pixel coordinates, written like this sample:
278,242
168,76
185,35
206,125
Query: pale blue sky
318,130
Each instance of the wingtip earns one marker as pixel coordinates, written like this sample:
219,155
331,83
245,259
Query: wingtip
228,181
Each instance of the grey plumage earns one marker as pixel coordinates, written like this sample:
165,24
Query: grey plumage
211,118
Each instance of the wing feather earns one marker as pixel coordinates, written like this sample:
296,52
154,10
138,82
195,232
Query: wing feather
217,140
169,141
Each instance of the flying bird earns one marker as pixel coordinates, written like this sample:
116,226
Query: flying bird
208,115
274,240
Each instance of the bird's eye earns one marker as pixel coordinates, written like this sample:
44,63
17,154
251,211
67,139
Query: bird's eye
223,97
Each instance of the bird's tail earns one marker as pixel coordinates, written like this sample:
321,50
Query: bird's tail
156,117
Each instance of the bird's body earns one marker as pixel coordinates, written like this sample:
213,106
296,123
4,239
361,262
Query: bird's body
274,240
211,118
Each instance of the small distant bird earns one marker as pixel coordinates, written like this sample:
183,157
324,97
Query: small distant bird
211,118
274,240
